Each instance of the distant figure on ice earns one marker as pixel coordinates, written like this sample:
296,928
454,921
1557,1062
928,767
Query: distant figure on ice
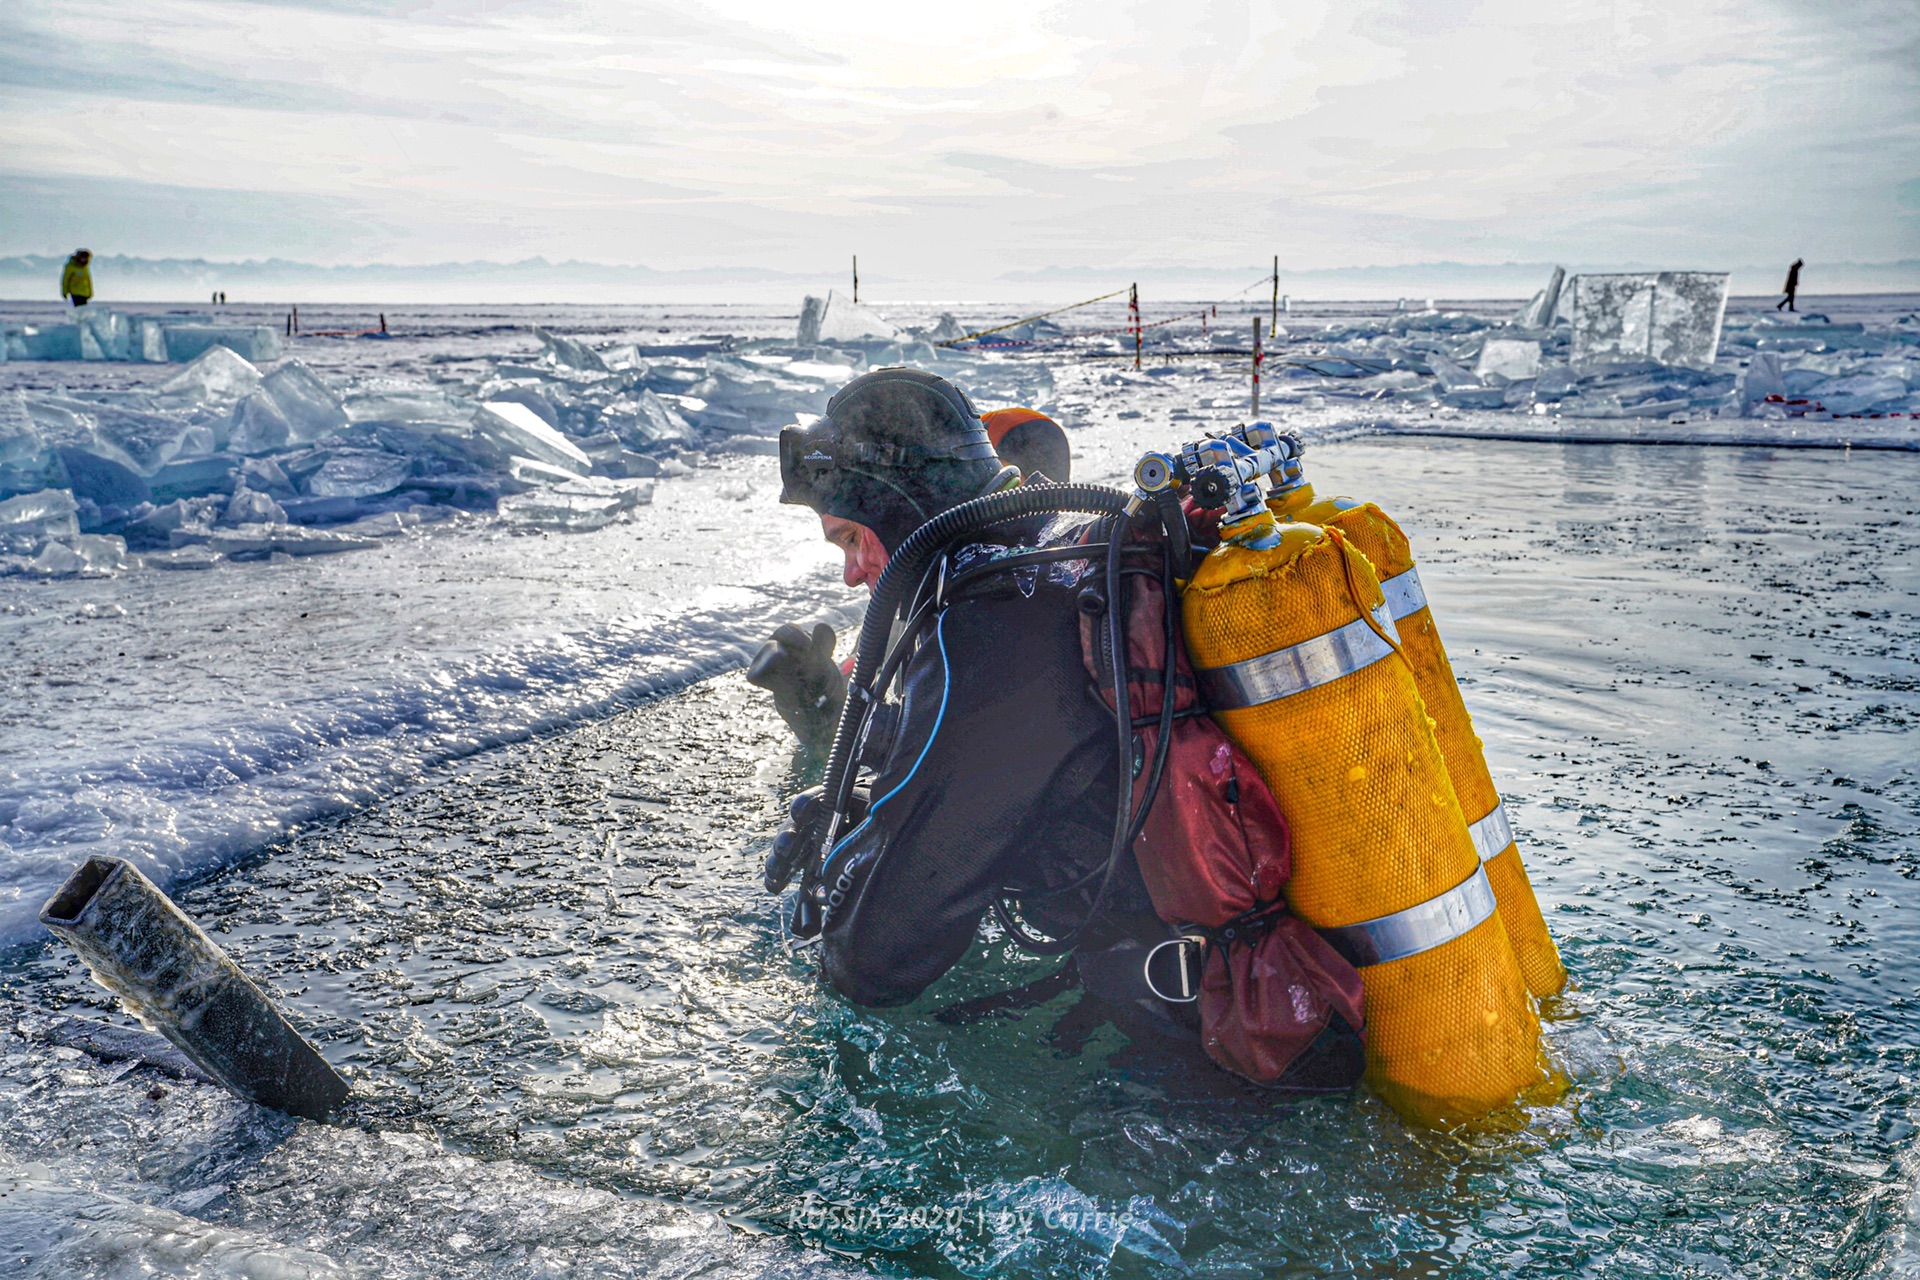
1792,286
76,282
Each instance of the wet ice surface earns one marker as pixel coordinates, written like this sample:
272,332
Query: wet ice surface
585,1052
181,718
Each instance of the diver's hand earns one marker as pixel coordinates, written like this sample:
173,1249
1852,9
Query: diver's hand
806,827
808,687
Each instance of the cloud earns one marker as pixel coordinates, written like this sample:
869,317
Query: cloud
968,141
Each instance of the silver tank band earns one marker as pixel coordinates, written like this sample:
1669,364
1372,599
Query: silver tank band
1298,667
1404,594
1419,928
1492,834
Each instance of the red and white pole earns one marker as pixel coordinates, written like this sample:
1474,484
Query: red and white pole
1259,355
1133,320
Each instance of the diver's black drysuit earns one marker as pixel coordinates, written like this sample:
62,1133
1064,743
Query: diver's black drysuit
997,773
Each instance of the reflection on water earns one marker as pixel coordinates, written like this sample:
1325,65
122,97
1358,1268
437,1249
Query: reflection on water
1695,673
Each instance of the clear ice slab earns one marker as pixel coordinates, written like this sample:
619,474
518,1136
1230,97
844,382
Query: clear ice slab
1668,317
838,319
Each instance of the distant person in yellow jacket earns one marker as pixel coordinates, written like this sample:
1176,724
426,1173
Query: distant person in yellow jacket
76,282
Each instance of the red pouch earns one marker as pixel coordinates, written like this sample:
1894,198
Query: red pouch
1214,850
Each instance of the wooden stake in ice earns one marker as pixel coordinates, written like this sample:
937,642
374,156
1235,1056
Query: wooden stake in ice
856,279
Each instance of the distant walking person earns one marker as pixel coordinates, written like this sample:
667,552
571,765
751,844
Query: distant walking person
1792,285
76,282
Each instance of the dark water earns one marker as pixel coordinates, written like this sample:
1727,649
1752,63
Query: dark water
1695,671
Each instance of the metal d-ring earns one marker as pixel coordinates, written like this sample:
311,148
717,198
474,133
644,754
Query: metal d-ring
1190,969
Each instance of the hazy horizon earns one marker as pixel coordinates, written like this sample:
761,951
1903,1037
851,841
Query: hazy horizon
279,282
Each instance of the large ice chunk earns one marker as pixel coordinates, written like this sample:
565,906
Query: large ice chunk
837,319
291,408
1669,317
258,426
1452,375
148,340
808,330
253,342
138,438
154,526
644,421
248,507
576,505
215,379
84,553
20,443
359,474
531,472
192,477
1539,313
45,342
569,353
264,539
517,429
102,478
33,519
1859,393
1760,379
104,335
406,404
1510,358
947,330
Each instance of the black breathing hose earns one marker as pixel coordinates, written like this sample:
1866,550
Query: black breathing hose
1173,519
1123,765
903,572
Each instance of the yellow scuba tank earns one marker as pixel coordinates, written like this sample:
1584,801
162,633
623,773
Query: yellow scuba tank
1375,535
1295,654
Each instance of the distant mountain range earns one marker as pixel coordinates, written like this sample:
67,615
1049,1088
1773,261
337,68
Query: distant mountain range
133,279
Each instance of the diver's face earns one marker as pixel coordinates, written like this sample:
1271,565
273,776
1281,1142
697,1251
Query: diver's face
865,554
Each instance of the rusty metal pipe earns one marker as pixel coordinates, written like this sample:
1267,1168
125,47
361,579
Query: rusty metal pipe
177,981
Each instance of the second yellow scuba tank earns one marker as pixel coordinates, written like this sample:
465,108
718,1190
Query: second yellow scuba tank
1376,536
1298,659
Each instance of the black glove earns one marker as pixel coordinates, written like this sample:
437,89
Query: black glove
808,687
806,827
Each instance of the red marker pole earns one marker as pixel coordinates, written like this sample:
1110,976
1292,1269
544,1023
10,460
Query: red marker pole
1258,356
1133,320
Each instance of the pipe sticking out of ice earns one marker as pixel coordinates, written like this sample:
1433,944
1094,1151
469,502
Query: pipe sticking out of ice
177,981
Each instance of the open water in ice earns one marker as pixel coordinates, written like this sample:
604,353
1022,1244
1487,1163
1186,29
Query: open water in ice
495,840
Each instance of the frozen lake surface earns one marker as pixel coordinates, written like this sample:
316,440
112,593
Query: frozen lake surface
478,805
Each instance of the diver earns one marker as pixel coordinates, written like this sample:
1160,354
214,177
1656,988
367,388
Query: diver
797,667
994,778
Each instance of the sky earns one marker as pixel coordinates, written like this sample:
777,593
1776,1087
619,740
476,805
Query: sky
992,139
